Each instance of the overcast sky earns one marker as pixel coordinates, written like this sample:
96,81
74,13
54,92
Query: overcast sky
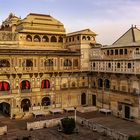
108,18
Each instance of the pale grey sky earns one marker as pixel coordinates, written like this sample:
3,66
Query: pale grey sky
108,18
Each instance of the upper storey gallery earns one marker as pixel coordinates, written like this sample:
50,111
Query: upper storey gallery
39,30
34,30
125,48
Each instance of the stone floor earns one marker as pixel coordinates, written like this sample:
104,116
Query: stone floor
53,134
17,128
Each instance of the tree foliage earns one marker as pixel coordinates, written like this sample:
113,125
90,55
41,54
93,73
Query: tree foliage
68,125
134,138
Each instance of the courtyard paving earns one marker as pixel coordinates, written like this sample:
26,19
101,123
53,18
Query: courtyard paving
17,128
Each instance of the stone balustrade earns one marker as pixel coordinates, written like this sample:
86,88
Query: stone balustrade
43,124
3,130
102,129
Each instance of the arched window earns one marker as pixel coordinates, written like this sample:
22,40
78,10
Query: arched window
94,65
107,83
25,84
45,39
78,38
29,38
4,86
27,63
83,38
109,65
75,62
73,84
116,52
48,62
60,39
4,63
129,65
118,65
45,84
46,101
121,51
111,52
53,39
36,38
67,62
125,51
88,37
107,52
100,83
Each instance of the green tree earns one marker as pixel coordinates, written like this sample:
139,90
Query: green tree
134,138
68,125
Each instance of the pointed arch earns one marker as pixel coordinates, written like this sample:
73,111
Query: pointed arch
45,84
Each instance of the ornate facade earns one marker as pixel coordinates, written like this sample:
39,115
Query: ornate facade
115,75
42,67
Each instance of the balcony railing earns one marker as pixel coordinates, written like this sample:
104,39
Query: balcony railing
25,90
28,68
5,92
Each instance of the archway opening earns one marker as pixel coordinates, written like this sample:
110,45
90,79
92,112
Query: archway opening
25,85
25,105
5,109
46,101
83,99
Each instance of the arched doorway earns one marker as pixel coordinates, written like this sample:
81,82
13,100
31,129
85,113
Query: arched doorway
5,109
83,99
45,101
94,100
127,111
25,105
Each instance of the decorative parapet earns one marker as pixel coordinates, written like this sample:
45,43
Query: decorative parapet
8,36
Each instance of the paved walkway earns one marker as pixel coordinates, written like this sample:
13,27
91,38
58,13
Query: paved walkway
17,128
